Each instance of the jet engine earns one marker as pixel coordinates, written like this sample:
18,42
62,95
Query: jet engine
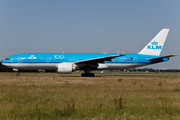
65,68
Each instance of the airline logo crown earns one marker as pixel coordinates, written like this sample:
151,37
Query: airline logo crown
32,57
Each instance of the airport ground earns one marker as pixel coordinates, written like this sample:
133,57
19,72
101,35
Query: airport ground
107,96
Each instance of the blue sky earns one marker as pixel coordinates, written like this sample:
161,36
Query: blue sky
88,26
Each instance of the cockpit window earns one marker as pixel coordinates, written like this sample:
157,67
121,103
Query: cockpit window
7,59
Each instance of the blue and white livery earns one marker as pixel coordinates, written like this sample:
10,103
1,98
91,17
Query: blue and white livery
69,62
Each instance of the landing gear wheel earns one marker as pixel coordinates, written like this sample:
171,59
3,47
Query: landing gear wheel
17,74
87,75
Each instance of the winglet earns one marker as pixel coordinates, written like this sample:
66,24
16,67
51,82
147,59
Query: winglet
155,46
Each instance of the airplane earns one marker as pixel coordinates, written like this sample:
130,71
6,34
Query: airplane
70,62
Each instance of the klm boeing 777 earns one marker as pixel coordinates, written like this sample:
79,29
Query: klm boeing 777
70,62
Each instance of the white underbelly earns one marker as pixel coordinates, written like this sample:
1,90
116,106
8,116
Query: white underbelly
118,66
32,65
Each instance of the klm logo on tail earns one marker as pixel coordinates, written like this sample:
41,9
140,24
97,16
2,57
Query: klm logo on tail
154,46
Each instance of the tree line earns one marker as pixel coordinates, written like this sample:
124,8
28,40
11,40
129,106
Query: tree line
153,70
6,69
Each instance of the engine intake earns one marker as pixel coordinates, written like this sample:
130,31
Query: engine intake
65,68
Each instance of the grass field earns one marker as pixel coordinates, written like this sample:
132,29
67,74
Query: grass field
108,96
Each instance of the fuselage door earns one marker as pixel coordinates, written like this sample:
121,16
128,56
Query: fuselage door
48,60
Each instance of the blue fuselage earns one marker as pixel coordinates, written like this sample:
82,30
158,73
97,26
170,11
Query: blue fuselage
51,60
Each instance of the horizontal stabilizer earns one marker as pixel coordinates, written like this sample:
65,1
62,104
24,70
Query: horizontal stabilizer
158,58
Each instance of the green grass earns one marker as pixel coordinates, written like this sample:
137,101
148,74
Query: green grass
107,96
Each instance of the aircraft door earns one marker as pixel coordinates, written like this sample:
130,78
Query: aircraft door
48,60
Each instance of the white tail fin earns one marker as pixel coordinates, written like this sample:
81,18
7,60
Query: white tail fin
155,46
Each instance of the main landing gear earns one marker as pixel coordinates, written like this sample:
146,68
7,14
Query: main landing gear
87,73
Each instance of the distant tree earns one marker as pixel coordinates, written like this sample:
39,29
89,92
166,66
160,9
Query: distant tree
154,70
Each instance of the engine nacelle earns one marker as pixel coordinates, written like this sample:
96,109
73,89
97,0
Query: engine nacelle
65,68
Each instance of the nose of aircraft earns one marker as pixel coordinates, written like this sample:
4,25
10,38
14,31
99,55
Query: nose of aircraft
2,62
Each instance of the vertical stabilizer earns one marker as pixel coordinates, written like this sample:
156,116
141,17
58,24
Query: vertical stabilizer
155,46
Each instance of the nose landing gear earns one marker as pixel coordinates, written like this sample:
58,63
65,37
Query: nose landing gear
17,74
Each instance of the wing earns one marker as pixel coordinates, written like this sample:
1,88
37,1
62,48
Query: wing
98,60
159,58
